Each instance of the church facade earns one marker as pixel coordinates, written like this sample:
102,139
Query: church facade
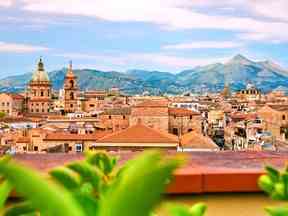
39,95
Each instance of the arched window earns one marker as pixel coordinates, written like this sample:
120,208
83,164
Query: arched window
71,95
42,93
283,117
71,83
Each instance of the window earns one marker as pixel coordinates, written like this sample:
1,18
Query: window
71,96
174,116
175,131
110,117
71,83
8,103
43,110
190,117
32,110
42,93
71,105
37,110
48,93
79,147
35,148
190,129
283,117
24,148
124,117
70,148
92,105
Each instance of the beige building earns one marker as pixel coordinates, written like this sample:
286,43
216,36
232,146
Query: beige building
182,121
152,113
11,104
275,120
39,91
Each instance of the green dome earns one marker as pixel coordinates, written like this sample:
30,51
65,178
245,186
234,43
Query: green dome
40,74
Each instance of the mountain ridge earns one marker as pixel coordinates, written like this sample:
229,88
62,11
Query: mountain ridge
239,70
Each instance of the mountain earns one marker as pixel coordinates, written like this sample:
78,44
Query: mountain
237,72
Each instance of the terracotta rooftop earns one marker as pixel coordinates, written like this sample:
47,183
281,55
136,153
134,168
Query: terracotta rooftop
15,119
139,133
117,111
181,112
23,139
17,96
279,107
153,103
70,136
196,140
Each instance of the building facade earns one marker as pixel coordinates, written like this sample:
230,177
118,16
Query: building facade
39,100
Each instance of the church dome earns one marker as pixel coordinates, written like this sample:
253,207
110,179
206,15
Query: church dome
40,74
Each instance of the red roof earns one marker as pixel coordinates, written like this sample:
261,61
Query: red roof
181,112
17,96
139,134
153,103
195,140
70,136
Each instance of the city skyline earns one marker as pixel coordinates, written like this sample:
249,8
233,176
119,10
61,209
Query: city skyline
152,35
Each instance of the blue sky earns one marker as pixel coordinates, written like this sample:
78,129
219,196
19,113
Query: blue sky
166,35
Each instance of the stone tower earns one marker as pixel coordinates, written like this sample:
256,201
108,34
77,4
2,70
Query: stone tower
39,91
70,91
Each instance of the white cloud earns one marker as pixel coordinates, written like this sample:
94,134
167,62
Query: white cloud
204,45
170,14
6,3
158,61
20,48
273,9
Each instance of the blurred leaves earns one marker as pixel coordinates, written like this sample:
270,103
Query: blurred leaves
94,186
275,183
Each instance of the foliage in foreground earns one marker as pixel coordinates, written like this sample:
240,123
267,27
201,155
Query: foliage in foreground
275,183
94,186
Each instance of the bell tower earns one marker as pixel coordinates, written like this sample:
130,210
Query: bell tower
70,91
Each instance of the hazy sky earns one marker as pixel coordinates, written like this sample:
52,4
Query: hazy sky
167,35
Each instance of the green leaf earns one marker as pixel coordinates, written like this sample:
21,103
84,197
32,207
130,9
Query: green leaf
24,208
273,173
5,190
277,211
47,197
88,173
102,161
285,181
178,210
198,209
266,184
139,187
67,177
88,203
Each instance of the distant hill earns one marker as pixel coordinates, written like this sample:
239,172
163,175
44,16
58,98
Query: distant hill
237,72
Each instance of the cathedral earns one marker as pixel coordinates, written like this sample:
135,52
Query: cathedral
39,97
39,92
